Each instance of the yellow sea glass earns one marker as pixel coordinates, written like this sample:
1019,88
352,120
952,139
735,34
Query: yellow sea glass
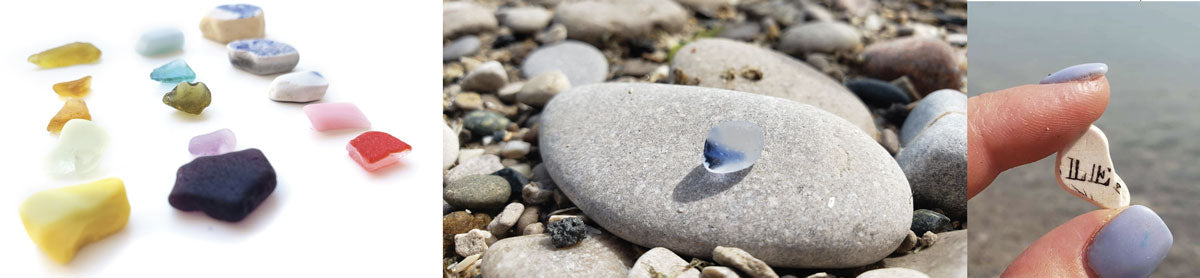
60,221
69,54
74,88
73,109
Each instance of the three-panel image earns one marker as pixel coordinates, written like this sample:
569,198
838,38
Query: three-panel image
602,138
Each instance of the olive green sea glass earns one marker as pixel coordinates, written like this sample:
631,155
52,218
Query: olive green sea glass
190,97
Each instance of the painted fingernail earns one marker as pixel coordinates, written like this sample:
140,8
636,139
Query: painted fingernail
1079,72
1130,245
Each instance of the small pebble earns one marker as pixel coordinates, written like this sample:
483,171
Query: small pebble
1085,169
477,192
61,221
877,93
473,242
538,91
662,262
930,221
506,219
484,164
823,37
742,260
79,147
173,72
336,116
66,55
534,229
514,149
524,20
482,122
305,86
160,41
374,150
214,143
468,101
464,46
459,222
487,77
72,109
533,194
227,23
226,187
190,97
718,272
515,179
566,232
75,88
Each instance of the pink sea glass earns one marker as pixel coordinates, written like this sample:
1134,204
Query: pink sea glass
214,143
375,150
335,116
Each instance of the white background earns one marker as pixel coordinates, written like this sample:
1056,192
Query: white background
327,217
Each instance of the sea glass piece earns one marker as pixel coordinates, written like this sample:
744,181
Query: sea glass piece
72,109
227,23
732,146
160,41
61,221
306,86
173,72
262,56
1086,170
336,116
226,187
213,143
67,55
79,148
188,97
75,88
374,150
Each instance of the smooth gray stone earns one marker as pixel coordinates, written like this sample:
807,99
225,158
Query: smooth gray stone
823,193
946,258
581,62
525,20
464,17
594,20
929,109
823,37
462,46
745,31
710,8
478,192
708,62
936,166
598,255
784,12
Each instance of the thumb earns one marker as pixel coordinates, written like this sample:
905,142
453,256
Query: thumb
1123,242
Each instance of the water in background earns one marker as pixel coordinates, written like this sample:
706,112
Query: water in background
1152,121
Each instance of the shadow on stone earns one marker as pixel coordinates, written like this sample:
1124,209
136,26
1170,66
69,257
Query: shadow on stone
700,184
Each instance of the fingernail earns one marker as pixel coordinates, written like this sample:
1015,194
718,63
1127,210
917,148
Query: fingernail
1079,72
1130,245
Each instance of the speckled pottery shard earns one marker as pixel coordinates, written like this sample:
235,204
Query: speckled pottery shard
1086,170
262,56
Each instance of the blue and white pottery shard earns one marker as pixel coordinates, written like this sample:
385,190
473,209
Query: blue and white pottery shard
262,56
732,146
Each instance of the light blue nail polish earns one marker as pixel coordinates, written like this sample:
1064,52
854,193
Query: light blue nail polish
1130,245
1079,72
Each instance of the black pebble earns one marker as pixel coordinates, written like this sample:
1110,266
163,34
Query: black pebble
895,114
877,93
503,40
639,46
567,232
516,180
226,187
928,220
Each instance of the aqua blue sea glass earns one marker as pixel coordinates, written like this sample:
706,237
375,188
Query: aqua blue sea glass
174,72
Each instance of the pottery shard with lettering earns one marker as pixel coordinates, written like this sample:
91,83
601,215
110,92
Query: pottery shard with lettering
1086,170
